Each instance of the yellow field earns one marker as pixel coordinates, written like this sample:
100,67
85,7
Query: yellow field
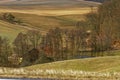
42,20
53,12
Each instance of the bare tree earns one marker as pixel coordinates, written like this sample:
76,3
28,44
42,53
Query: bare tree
34,37
5,51
21,44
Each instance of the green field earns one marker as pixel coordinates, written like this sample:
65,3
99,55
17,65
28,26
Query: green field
99,64
105,68
10,30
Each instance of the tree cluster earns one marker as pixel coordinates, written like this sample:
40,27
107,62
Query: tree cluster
105,26
10,18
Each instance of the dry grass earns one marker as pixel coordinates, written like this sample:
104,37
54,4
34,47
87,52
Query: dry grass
54,12
42,20
101,68
10,30
57,74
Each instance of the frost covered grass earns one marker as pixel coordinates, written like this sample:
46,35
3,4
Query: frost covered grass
100,68
58,74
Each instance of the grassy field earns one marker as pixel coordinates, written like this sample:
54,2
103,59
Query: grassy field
10,30
41,20
100,68
43,17
99,64
54,12
41,23
47,3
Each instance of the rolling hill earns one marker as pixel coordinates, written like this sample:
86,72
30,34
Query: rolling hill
97,0
99,64
10,30
39,22
48,3
100,68
43,14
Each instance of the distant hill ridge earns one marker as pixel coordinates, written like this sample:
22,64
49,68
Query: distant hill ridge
101,1
47,3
